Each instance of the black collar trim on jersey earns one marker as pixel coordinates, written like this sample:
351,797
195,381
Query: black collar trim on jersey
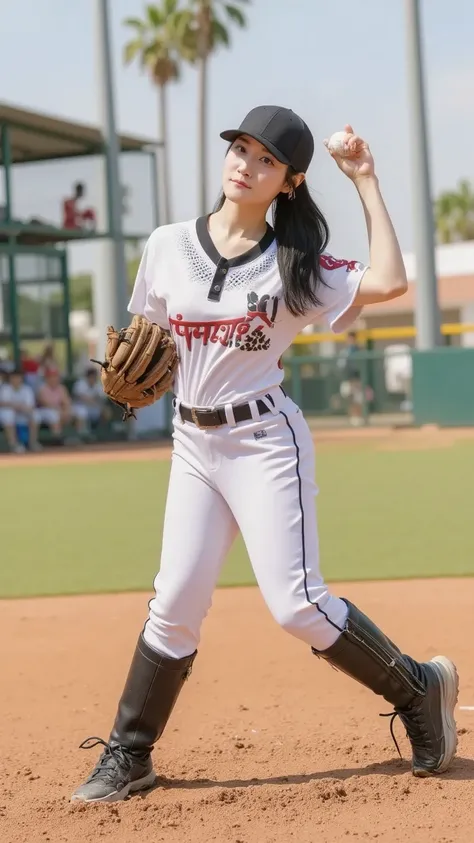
207,244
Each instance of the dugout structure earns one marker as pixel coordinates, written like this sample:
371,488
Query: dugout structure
34,274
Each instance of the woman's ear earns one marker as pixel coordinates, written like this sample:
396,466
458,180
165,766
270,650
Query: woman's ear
293,182
298,179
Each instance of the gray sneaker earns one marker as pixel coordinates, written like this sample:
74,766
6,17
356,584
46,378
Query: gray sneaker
117,773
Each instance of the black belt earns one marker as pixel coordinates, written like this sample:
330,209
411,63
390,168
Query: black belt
216,417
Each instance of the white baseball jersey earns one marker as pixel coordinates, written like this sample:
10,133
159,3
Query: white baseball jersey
23,396
228,317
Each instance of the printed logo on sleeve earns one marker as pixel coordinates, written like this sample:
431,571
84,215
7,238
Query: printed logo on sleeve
328,262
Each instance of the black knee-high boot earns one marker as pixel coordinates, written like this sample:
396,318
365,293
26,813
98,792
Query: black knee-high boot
152,687
423,695
151,690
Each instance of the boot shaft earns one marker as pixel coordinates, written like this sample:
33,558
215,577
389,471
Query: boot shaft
363,652
151,690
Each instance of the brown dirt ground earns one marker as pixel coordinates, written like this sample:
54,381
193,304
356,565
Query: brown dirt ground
267,744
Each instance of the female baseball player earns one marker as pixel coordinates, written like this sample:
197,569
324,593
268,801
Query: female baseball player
234,292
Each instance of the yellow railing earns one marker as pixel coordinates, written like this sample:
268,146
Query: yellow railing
394,333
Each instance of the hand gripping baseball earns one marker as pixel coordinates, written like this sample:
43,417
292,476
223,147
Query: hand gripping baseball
351,153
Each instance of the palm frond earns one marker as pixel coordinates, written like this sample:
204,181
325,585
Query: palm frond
236,15
170,7
188,44
155,16
132,50
135,23
219,34
182,26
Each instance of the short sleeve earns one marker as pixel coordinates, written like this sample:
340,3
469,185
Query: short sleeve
145,301
341,284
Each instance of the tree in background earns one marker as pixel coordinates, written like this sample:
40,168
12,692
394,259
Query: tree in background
205,31
158,44
454,213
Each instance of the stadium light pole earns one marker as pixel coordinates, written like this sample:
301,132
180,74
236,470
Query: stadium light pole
427,317
111,289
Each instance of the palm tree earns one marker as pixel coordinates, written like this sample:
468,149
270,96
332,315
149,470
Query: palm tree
205,32
157,45
454,213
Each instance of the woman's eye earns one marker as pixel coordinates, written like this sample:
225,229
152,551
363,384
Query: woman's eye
267,160
239,147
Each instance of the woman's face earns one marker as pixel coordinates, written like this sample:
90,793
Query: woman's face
252,175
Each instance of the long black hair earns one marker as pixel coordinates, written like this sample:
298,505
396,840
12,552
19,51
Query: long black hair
302,234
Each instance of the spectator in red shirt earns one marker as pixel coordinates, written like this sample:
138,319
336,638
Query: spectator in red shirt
30,367
73,216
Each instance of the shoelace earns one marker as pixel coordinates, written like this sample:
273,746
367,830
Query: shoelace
110,754
419,736
393,715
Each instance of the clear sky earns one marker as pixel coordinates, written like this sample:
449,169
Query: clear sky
332,61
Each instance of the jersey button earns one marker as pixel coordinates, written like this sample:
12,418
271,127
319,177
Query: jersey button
216,288
223,270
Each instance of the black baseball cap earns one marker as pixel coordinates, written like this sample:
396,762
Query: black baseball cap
281,131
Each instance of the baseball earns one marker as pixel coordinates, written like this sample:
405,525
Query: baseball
337,143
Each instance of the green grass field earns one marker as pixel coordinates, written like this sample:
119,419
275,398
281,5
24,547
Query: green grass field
70,529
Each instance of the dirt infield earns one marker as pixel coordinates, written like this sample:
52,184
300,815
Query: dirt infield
383,438
267,744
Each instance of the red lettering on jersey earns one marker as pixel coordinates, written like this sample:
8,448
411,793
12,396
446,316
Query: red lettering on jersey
220,330
328,262
229,332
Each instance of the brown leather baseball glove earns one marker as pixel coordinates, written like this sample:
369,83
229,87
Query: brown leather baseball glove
140,365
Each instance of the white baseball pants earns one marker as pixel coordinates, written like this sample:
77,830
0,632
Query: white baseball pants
256,477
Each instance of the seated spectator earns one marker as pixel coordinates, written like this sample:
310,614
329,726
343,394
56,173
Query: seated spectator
89,399
17,409
56,406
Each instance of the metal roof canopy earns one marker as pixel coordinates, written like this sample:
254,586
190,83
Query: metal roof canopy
35,136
